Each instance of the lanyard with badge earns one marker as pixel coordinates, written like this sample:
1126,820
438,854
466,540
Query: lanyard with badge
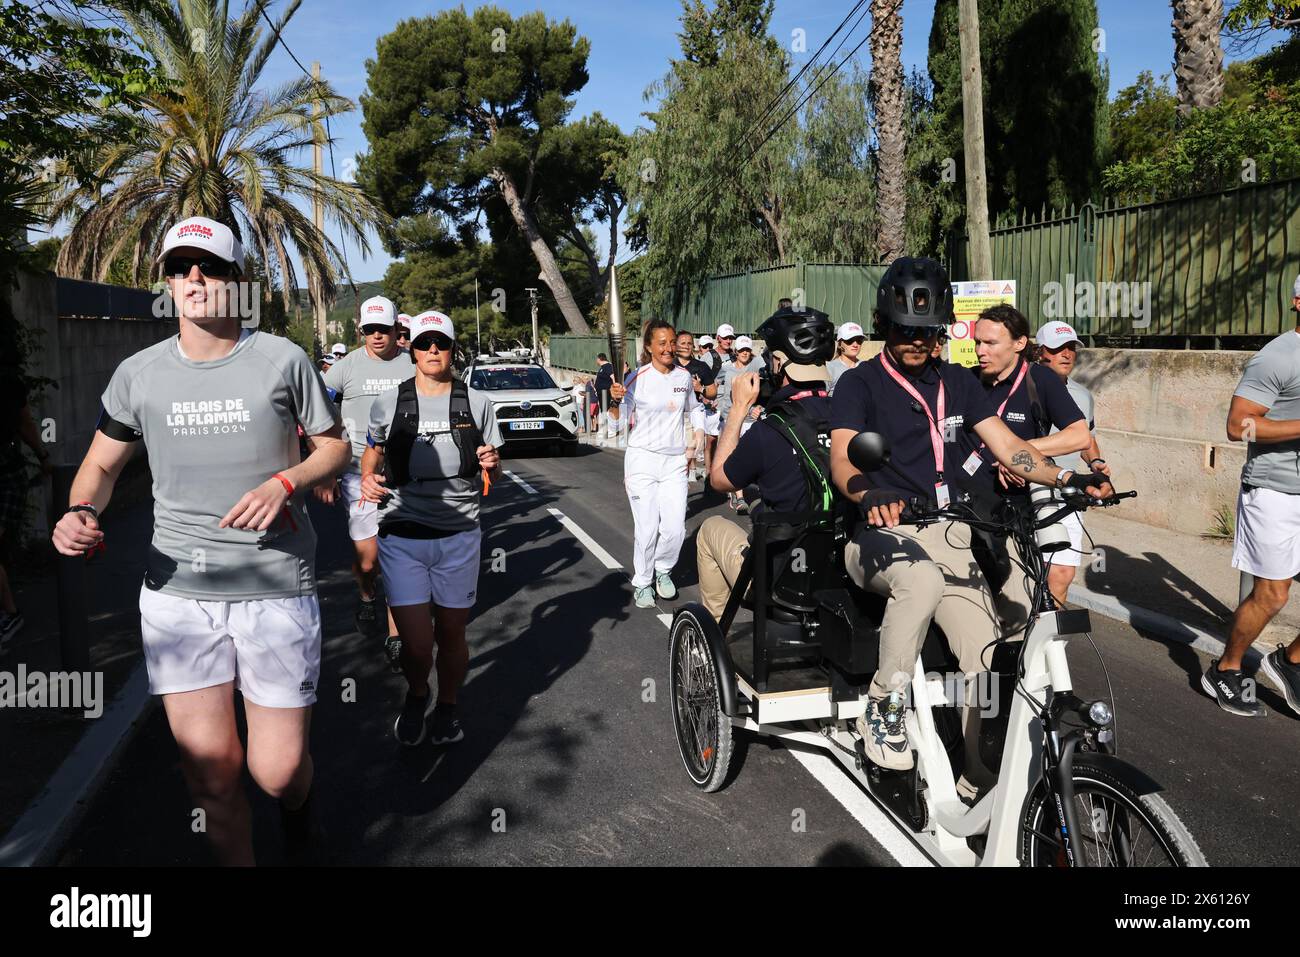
941,495
973,463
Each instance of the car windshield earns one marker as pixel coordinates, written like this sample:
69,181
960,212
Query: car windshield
511,377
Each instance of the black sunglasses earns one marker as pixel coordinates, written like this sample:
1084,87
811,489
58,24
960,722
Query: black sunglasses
371,330
212,267
435,338
918,332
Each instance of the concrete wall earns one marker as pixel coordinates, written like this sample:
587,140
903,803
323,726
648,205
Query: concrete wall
79,355
1161,423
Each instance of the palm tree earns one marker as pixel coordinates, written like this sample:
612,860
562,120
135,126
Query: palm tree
215,146
889,95
1198,55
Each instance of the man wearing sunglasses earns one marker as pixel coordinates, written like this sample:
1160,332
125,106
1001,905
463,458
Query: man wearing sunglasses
357,378
404,332
229,595
927,410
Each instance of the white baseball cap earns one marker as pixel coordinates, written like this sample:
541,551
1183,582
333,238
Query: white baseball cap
725,331
339,349
377,311
329,358
404,320
851,330
706,340
1053,335
431,321
206,234
742,342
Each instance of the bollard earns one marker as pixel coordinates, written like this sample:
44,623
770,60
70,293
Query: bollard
70,584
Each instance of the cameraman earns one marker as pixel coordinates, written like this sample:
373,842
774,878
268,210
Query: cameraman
926,409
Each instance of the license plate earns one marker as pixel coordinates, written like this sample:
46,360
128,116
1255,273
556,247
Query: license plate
527,426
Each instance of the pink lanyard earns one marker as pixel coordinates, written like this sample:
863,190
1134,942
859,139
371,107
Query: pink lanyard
936,435
806,393
1020,377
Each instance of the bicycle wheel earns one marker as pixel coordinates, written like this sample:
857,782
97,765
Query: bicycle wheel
703,730
1120,826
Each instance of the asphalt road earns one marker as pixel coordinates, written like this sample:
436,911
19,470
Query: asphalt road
566,762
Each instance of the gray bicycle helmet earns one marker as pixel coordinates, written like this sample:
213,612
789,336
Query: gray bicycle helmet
915,292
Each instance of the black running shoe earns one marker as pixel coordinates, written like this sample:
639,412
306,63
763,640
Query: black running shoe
367,617
445,726
1285,675
393,652
412,721
1233,690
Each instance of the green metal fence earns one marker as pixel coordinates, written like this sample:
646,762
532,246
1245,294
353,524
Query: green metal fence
579,352
1218,265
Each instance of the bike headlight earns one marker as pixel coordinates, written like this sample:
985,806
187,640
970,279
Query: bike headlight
564,400
1099,713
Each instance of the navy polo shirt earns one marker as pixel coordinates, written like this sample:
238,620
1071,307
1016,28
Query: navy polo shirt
866,399
1055,404
605,377
763,458
697,368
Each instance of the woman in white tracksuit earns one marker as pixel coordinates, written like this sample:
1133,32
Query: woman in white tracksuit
664,422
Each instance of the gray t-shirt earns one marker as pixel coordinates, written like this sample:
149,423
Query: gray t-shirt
726,375
358,377
1083,399
1272,378
436,496
213,431
836,368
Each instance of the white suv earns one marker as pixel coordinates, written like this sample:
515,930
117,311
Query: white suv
530,408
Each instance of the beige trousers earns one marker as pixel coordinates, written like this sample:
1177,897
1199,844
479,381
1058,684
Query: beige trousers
930,573
720,547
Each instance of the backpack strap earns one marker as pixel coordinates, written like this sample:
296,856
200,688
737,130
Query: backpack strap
809,437
1042,426
464,430
402,432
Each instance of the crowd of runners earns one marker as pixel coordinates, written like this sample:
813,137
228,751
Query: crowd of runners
239,426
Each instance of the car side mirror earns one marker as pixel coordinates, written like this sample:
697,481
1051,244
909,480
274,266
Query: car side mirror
868,451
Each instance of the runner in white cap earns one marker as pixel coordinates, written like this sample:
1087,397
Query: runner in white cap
741,361
432,452
340,349
379,365
403,331
229,595
1058,349
848,345
657,407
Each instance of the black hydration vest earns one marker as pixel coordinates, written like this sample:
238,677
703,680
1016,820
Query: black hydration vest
405,428
810,436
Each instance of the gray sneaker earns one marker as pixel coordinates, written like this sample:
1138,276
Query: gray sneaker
1285,675
645,597
884,733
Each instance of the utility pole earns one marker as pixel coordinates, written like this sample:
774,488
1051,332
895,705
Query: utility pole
478,325
972,108
317,209
532,305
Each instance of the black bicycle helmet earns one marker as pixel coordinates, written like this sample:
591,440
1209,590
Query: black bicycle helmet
805,336
915,292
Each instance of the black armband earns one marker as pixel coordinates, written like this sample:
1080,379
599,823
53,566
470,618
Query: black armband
117,430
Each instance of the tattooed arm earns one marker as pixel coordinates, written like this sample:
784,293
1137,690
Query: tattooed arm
1016,455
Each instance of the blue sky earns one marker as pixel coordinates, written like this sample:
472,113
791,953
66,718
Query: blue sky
631,43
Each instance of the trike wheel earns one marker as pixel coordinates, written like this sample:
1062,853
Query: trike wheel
703,730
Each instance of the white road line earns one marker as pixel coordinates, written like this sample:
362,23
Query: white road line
874,821
518,481
605,557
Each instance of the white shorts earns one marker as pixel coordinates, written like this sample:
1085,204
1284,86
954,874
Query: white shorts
363,516
1268,534
1072,556
270,647
444,570
712,423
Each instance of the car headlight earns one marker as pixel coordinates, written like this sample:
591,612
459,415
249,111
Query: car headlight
564,400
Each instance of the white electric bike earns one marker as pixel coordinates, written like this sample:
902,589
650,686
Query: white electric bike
801,671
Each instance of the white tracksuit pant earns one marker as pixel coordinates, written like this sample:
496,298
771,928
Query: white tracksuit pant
656,489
